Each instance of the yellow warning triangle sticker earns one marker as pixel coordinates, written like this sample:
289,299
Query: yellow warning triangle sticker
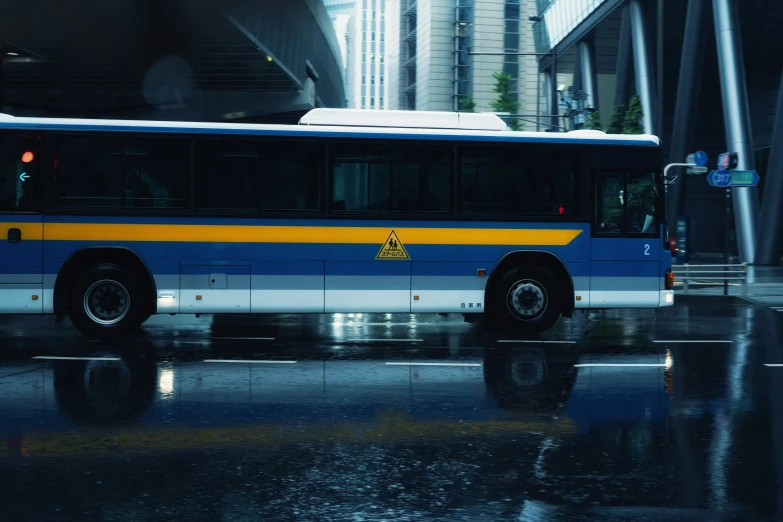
393,248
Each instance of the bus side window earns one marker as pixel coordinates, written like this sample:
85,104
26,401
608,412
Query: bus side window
121,173
361,177
422,179
626,203
610,203
155,172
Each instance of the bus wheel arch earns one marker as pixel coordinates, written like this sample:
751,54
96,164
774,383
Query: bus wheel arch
91,257
533,258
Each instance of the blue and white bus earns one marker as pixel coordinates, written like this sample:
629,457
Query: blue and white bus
109,222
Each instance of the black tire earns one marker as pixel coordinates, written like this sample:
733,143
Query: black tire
105,302
526,300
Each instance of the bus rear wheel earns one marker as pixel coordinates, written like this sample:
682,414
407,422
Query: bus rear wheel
105,302
527,300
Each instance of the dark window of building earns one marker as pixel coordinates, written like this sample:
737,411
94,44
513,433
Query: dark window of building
511,42
122,173
19,171
511,181
512,10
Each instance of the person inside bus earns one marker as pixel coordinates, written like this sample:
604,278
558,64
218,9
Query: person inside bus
612,203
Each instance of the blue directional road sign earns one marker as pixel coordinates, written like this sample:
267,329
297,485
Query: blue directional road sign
733,178
700,158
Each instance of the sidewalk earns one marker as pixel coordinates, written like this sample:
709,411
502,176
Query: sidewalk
765,287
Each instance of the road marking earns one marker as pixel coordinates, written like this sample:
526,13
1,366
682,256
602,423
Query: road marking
774,365
660,365
533,341
697,341
385,340
54,358
246,361
243,339
431,364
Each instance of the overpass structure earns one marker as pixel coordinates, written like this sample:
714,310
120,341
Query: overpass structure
213,60
708,78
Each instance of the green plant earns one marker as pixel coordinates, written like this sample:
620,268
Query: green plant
633,117
467,104
617,119
594,121
505,101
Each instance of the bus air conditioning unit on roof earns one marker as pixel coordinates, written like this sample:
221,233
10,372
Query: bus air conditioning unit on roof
403,119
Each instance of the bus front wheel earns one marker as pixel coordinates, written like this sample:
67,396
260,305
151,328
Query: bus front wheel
527,300
105,302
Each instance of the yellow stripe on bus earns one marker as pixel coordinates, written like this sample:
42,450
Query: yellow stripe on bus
301,234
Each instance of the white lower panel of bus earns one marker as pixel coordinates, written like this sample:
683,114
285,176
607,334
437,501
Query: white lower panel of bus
448,301
215,301
624,298
368,301
21,299
283,301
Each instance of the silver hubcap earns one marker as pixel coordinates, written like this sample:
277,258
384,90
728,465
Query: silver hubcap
106,302
527,299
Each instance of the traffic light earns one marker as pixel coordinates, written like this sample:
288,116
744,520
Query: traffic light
727,161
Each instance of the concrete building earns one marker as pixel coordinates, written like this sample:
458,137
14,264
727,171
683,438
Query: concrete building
336,8
709,79
442,51
367,52
246,60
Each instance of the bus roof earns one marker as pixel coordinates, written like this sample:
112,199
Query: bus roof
404,119
322,129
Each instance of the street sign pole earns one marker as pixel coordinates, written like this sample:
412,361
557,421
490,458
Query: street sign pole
727,240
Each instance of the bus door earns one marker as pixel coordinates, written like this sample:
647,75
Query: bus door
21,226
625,243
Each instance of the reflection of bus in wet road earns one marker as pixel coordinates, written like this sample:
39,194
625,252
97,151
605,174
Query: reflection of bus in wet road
372,400
548,433
143,406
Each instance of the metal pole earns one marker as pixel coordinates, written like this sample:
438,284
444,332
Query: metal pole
670,165
727,241
644,84
660,69
736,115
770,246
536,121
471,53
538,102
623,60
587,73
555,104
688,86
2,82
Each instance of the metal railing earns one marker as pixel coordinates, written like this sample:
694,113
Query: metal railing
709,274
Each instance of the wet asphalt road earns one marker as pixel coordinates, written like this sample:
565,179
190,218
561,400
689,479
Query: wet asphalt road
620,415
